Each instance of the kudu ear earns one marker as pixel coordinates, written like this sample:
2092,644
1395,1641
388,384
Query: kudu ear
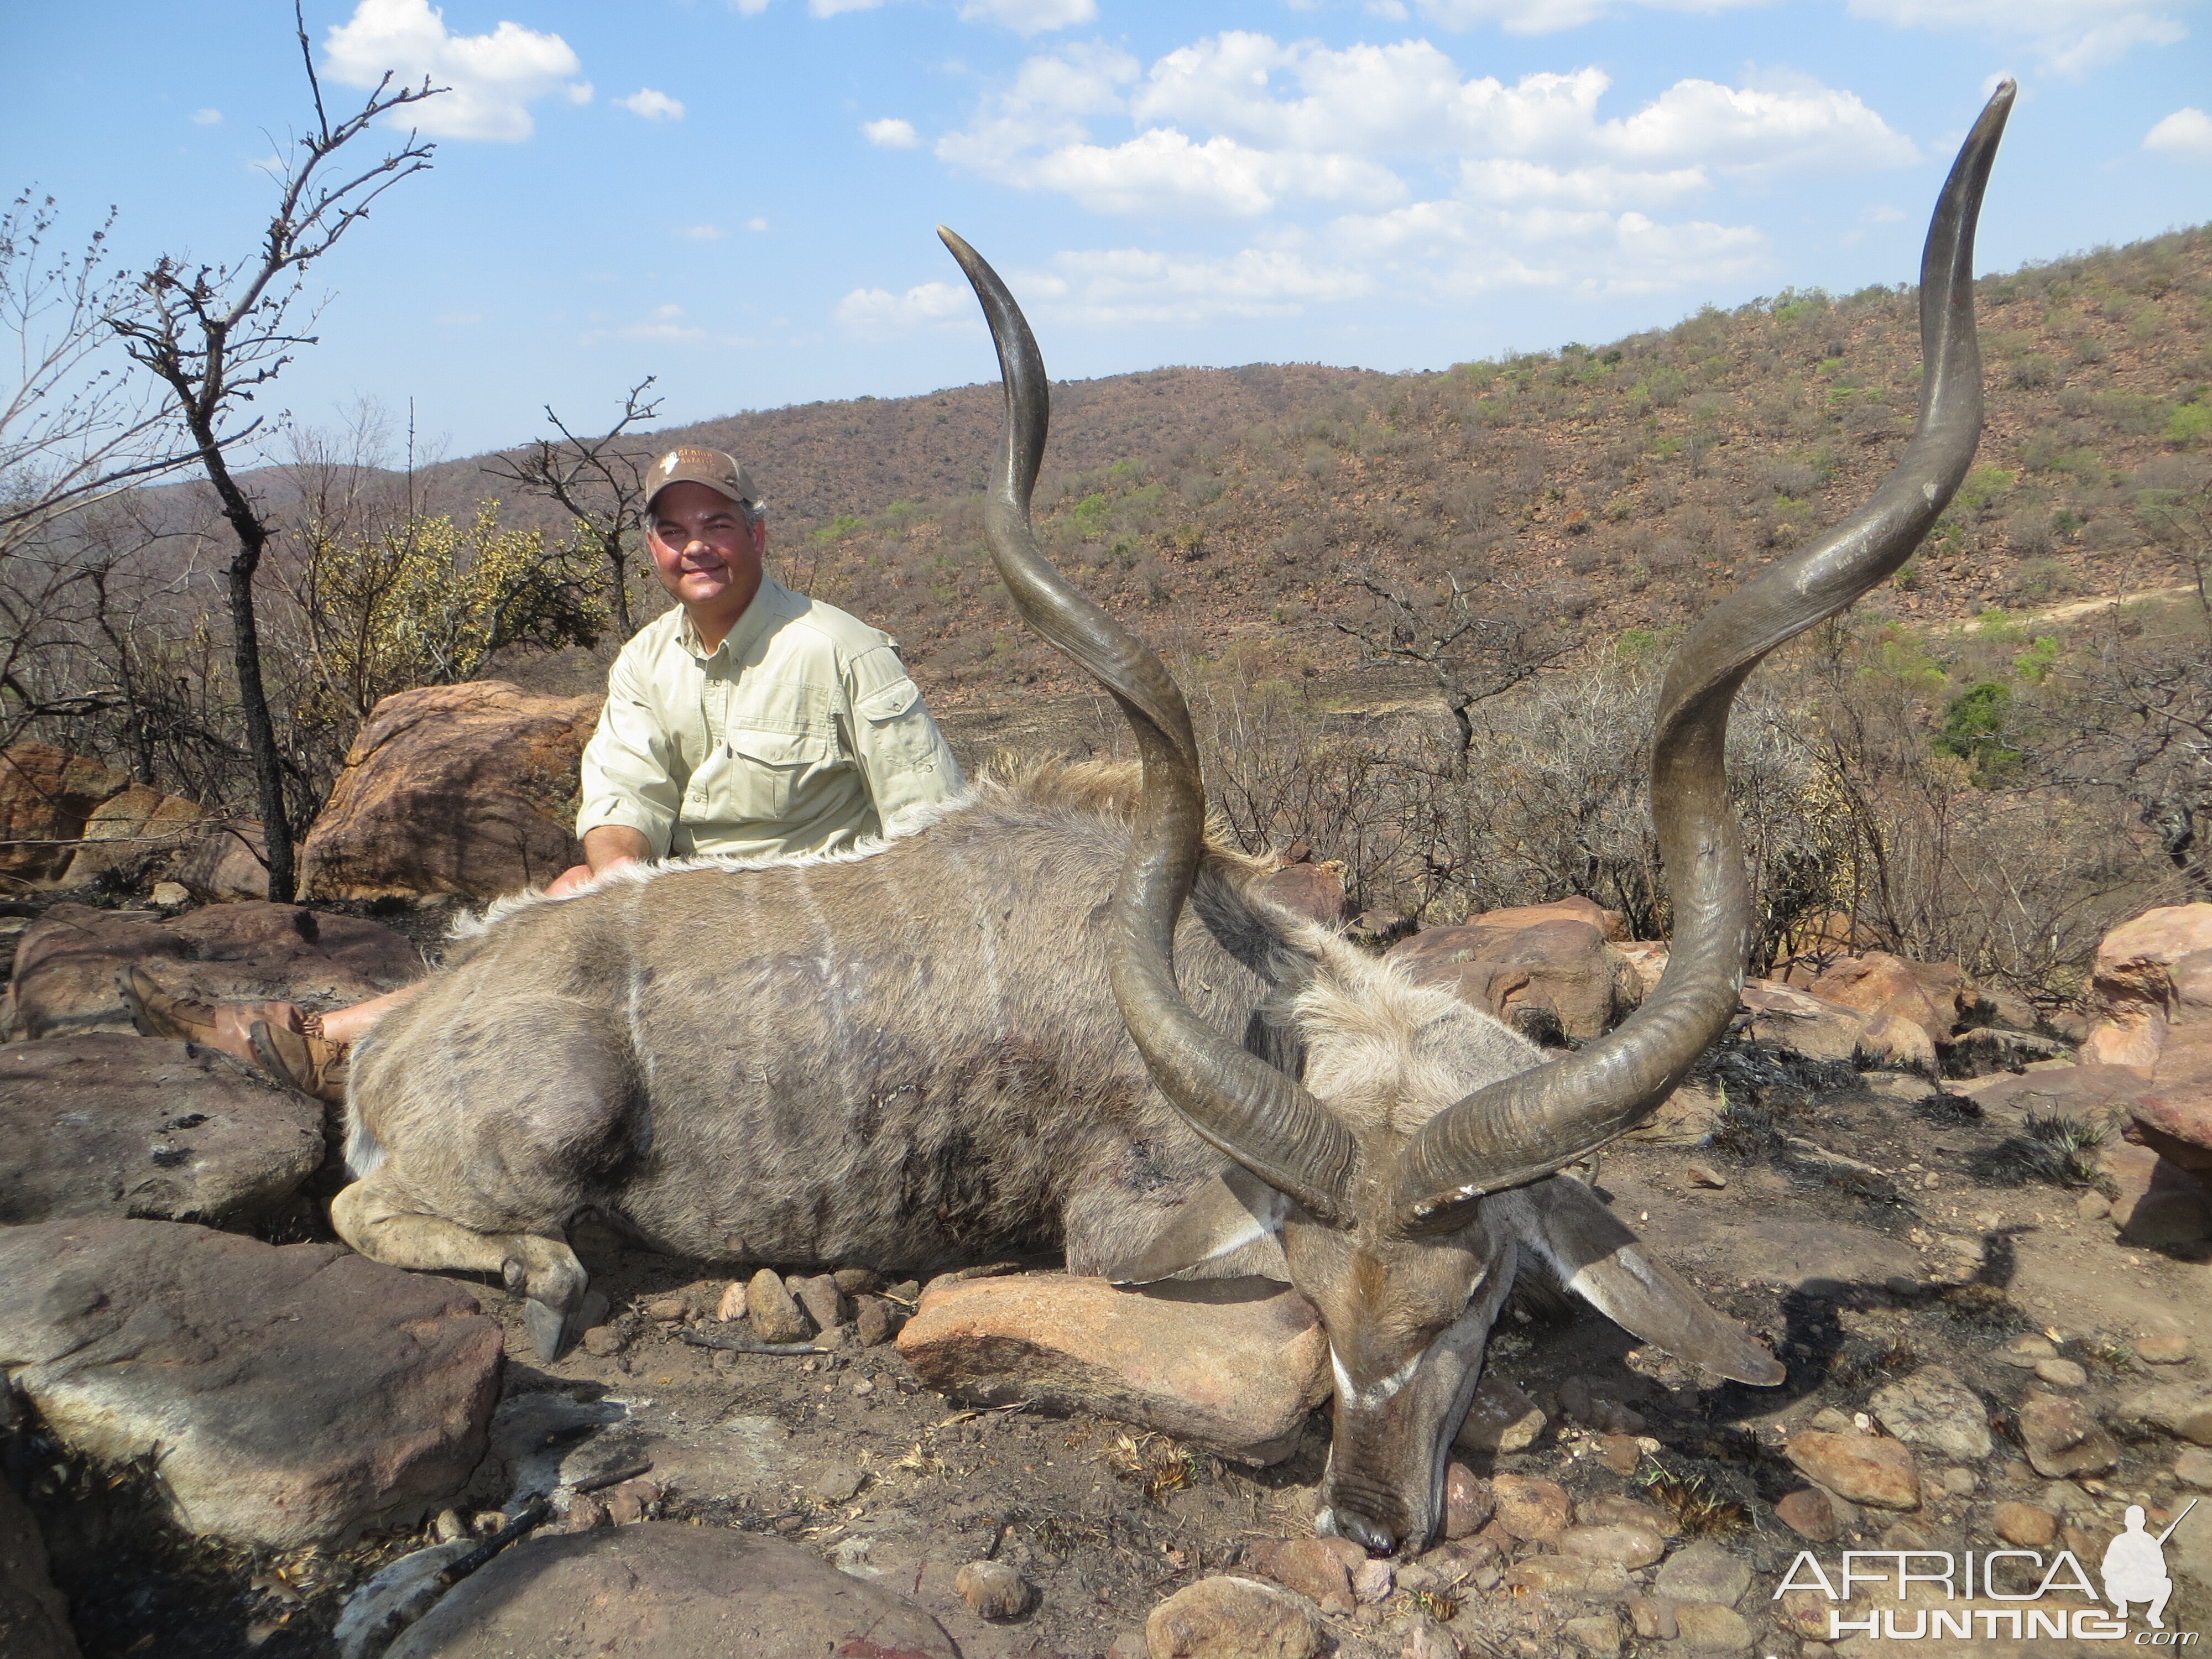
1596,1257
1232,1225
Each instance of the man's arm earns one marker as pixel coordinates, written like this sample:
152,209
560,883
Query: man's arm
612,844
902,755
627,778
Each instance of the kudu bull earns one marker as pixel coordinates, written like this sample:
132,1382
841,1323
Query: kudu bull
921,1053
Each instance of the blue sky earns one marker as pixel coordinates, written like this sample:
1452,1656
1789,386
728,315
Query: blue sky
738,198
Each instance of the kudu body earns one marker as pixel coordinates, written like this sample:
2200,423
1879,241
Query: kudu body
1054,1013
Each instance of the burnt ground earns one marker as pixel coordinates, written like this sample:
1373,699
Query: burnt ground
1857,1272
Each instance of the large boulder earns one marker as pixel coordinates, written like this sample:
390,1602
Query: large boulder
103,1125
228,864
1232,1365
2132,988
1879,983
1787,1018
1313,890
47,795
137,836
288,1395
2154,987
1544,970
34,1618
468,789
67,961
661,1591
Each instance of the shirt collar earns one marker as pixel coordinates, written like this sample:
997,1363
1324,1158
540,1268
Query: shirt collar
771,604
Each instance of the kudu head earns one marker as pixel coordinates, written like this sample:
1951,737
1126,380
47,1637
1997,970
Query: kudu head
1405,1236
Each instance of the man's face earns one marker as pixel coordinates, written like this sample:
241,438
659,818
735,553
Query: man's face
706,555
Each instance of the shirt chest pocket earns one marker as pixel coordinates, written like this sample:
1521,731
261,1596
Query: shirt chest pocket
765,773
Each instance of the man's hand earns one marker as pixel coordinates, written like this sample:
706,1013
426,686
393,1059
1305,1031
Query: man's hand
607,847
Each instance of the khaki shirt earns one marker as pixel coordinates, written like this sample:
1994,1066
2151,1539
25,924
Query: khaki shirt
800,733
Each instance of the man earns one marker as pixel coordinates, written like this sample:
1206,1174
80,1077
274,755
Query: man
749,722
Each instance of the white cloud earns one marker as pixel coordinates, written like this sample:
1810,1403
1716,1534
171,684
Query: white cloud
1548,16
207,117
702,233
831,7
1162,171
1802,127
652,106
890,133
755,224
578,92
2071,36
1135,285
749,8
2186,134
875,313
1028,17
494,78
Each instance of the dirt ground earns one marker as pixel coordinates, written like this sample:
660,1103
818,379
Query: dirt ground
1857,1276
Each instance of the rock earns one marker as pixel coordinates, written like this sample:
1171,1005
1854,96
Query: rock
1703,1175
2062,1439
837,1483
1653,1618
993,1589
1314,892
1500,1418
1803,1023
292,1395
102,1124
1550,1574
1704,1572
2061,1374
2165,1349
1371,1582
136,835
605,1341
1685,1118
1226,1618
776,1317
1618,1510
1556,973
33,1617
2132,984
2026,1350
2181,1409
1531,1509
65,966
874,1323
1807,1513
1708,1627
1316,1568
1595,1634
2193,1468
1933,1408
1864,1468
1879,983
1893,1042
1611,924
1648,957
491,766
1625,1546
394,1599
823,1302
169,894
2171,1208
1468,1502
662,1590
1231,1364
47,796
858,1281
2093,1206
2028,1525
1961,1482
228,864
1425,1638
1988,1049
732,1304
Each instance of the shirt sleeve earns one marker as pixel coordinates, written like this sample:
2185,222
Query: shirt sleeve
628,776
902,755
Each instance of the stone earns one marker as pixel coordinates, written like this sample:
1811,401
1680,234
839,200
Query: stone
1807,1513
1425,1638
33,1616
2028,1525
1231,1365
1611,924
2165,1349
1933,1408
169,894
228,864
395,1598
2026,1352
1864,1469
467,789
2062,1438
103,1125
1704,1572
1878,983
859,1281
819,1295
837,1483
1230,1618
1371,1582
2132,986
874,1323
1531,1509
1894,1044
291,1396
1314,891
1653,1618
1703,1175
2181,1409
1618,1510
993,1589
2093,1206
1685,1118
629,1502
47,796
66,963
2193,1468
1961,1482
1316,1568
1708,1627
667,1310
1801,1022
776,1317
1549,1574
1556,974
1595,1634
662,1590
1468,1503
1804,1614
2061,1374
134,836
605,1341
1499,1418
1472,1560
1627,1547
732,1304
1648,956
2171,1209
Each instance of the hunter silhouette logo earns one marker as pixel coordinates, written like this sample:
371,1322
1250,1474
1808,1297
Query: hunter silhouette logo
2133,1568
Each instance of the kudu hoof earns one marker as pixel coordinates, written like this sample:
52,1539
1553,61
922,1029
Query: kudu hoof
553,1332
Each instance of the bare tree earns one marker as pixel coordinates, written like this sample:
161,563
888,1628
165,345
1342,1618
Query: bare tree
599,483
214,334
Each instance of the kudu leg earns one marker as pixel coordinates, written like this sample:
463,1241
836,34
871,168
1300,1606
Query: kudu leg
544,1270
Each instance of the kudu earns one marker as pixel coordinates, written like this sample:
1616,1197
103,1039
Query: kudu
922,1053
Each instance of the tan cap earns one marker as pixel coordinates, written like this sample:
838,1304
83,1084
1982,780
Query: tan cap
710,467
